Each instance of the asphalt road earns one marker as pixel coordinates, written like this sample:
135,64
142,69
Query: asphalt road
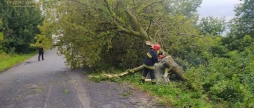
50,84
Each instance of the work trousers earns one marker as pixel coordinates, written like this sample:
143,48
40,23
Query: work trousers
40,55
152,75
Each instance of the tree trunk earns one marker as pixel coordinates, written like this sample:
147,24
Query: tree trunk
172,66
124,73
168,62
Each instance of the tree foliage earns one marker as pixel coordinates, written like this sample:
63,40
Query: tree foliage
92,27
228,75
1,24
119,54
19,26
229,79
1,28
1,34
187,8
44,39
212,26
241,26
244,18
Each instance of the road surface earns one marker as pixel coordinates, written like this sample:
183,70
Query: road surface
50,84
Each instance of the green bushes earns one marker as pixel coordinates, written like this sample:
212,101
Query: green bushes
226,79
126,52
1,38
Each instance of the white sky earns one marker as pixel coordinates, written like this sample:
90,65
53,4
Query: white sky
218,8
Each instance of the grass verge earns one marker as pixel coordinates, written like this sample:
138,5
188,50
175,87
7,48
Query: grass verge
175,94
7,61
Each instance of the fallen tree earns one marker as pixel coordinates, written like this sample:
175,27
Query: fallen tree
90,26
163,68
139,31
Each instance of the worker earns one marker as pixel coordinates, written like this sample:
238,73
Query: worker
41,52
150,59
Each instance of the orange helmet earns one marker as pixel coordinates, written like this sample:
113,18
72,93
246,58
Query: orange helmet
156,47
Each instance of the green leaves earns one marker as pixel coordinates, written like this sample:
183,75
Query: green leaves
19,26
226,79
1,24
83,32
212,26
244,18
241,26
42,41
1,34
187,8
94,30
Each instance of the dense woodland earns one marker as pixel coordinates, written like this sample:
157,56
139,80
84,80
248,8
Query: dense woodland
217,56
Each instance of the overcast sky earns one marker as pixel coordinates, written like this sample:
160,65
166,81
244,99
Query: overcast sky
218,8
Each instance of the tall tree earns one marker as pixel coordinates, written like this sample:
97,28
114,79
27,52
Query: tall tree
212,26
241,26
245,18
20,26
185,7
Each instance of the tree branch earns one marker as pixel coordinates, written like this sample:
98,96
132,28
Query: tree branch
128,31
113,15
149,25
140,9
141,29
158,26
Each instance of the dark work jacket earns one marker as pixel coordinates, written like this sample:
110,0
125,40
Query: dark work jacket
40,50
151,57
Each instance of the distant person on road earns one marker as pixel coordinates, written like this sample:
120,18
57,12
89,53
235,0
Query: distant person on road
41,51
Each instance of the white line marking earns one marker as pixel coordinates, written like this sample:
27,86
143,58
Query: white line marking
46,103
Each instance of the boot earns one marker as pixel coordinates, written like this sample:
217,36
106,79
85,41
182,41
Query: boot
153,83
142,81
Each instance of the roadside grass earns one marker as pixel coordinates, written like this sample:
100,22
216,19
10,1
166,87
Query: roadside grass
174,94
7,61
